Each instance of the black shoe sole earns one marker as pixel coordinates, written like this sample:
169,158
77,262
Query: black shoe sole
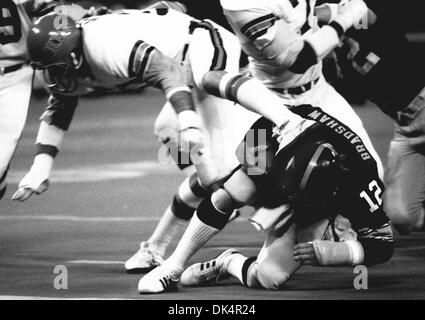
140,270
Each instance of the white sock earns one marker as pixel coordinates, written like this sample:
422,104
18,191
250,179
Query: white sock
235,265
165,231
195,236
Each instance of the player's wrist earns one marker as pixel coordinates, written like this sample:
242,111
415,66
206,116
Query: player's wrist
43,164
39,172
181,99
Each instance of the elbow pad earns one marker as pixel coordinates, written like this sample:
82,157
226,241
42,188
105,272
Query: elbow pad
337,254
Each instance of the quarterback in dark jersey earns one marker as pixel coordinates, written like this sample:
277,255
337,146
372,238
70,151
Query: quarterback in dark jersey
393,77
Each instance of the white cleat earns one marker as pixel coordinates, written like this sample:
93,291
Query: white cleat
143,260
208,273
159,280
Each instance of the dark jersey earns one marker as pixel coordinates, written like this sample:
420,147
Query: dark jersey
359,192
393,68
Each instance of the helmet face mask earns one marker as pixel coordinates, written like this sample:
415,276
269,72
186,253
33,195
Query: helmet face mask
60,77
309,176
63,77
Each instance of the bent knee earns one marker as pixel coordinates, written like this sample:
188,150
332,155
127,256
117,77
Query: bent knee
405,220
240,187
271,277
405,225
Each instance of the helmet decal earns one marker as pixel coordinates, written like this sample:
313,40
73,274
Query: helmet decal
54,43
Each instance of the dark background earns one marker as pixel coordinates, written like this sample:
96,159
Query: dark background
412,10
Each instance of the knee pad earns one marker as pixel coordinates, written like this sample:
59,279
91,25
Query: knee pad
405,218
191,192
240,187
404,222
209,214
182,210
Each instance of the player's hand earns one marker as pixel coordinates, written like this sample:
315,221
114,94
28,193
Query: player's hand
304,253
36,181
292,130
415,131
25,191
190,138
191,134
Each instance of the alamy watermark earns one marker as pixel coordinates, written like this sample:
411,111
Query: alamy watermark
361,280
60,280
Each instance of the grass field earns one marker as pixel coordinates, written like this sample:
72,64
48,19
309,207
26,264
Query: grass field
108,192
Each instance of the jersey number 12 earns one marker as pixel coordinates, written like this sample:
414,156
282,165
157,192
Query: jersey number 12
10,24
373,197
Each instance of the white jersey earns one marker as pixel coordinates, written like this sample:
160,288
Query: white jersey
111,53
16,18
271,28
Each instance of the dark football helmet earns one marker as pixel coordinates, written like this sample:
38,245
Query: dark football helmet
55,45
309,174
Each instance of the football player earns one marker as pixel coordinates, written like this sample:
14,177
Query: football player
93,53
16,77
391,75
285,45
323,175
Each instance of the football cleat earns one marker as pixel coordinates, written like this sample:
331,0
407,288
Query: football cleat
143,260
208,273
159,280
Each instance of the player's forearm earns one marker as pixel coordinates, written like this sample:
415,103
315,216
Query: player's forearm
378,244
376,251
365,251
249,93
169,76
338,254
49,139
54,122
